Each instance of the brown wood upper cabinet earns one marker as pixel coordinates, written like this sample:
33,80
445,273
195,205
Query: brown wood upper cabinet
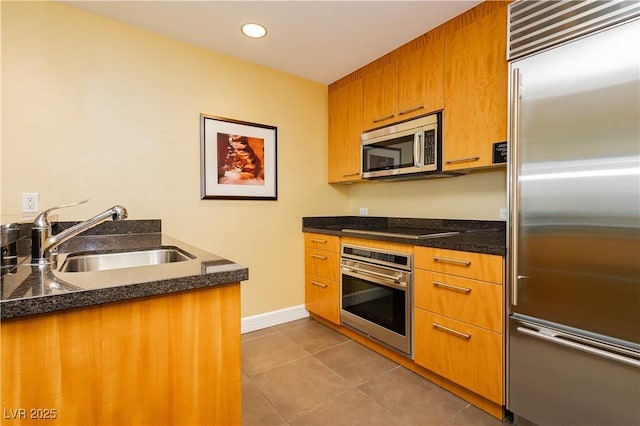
345,126
380,92
475,104
405,83
459,67
421,75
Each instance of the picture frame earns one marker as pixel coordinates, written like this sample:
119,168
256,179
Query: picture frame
238,159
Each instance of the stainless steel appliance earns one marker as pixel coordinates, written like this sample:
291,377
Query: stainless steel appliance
411,149
574,316
376,294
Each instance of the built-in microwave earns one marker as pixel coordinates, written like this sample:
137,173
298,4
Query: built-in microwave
411,149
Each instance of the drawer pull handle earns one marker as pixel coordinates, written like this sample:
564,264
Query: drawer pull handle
314,240
386,117
454,261
451,331
319,284
452,287
412,109
351,174
462,160
317,256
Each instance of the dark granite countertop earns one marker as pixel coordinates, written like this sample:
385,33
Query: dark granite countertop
29,290
478,236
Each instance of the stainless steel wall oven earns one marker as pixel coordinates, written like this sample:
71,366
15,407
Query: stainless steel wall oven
376,294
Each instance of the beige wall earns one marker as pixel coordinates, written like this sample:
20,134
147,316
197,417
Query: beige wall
478,195
92,108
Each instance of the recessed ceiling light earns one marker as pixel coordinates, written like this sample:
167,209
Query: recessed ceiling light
254,30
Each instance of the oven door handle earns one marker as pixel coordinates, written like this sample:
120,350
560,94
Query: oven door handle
376,277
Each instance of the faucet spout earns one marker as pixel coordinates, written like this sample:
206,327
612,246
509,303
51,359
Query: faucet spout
44,245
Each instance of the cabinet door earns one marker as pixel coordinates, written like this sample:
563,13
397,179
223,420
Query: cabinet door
475,113
421,75
474,302
345,127
322,242
479,266
322,263
380,92
467,355
322,297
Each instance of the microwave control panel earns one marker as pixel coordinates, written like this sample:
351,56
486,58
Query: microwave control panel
429,147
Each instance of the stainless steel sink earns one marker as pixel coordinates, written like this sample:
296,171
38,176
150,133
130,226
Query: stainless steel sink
101,261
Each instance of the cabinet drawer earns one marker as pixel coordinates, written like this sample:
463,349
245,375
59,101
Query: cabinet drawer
467,355
322,297
485,267
321,263
322,242
471,301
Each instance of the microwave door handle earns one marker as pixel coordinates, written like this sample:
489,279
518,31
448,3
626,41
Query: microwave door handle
417,149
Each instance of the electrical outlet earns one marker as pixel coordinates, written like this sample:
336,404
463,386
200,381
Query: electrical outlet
29,202
503,213
364,211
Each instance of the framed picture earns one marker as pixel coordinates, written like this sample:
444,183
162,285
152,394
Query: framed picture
238,160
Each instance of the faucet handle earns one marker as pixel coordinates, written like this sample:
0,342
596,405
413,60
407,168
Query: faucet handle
42,221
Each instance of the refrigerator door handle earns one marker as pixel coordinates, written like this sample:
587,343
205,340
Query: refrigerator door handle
514,154
558,339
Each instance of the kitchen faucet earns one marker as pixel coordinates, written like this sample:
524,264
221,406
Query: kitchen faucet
44,245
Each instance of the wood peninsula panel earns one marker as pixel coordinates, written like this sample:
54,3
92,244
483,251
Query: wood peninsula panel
345,126
172,359
48,363
475,113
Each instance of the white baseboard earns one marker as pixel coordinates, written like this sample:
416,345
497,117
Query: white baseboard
269,319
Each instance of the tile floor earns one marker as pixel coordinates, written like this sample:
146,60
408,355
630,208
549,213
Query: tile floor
304,373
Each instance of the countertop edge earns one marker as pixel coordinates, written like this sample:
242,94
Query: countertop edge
18,308
456,242
116,285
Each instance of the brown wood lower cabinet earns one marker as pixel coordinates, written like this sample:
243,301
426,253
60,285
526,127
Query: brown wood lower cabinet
468,355
458,315
459,318
472,301
322,275
165,360
322,297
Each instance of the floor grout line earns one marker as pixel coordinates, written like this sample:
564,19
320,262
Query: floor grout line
324,405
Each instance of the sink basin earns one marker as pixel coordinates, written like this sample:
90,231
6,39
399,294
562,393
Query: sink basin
101,261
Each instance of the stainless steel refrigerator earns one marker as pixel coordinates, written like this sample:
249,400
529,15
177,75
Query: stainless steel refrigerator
573,347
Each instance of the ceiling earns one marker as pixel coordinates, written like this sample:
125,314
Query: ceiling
317,40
